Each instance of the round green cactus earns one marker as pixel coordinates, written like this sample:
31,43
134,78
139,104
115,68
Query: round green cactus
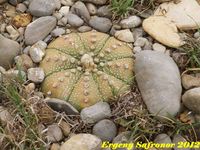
84,68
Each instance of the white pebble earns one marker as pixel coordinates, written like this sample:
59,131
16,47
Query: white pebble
36,75
64,10
37,51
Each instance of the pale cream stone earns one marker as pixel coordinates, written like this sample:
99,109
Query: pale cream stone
163,30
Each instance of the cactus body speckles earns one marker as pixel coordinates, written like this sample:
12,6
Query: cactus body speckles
81,68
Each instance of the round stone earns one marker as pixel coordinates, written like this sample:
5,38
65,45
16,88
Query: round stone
105,129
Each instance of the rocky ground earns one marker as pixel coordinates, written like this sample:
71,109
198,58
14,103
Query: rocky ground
164,102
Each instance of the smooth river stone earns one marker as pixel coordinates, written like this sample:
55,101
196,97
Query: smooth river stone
39,29
159,81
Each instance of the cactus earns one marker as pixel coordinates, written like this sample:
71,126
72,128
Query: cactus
84,68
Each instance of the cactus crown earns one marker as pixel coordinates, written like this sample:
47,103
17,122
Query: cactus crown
84,68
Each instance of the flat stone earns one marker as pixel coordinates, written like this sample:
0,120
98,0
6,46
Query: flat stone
81,10
61,106
185,14
8,50
163,30
42,7
84,29
100,23
95,113
105,129
124,35
191,99
131,22
74,20
39,29
83,141
158,78
36,75
58,32
189,81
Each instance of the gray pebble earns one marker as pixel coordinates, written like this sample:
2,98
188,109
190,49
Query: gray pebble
131,22
105,129
36,75
84,29
74,20
197,34
191,99
57,32
100,23
138,32
21,7
81,10
91,8
64,10
140,42
137,49
104,11
42,7
54,133
158,79
159,47
8,50
97,112
39,29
